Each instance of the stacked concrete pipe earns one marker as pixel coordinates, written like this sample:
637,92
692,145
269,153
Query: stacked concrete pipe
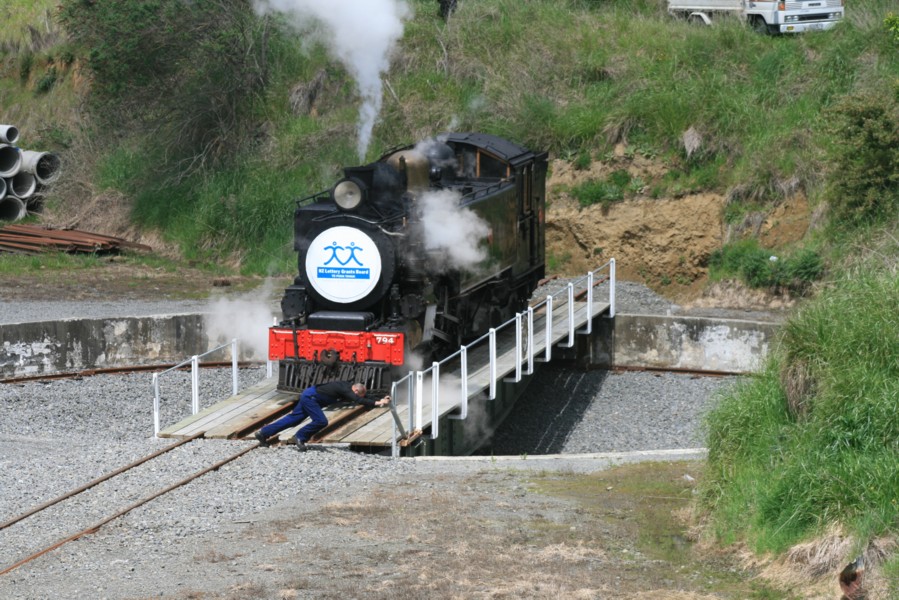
9,134
43,165
10,160
11,208
24,174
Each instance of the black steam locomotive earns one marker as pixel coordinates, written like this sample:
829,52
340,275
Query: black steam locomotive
409,257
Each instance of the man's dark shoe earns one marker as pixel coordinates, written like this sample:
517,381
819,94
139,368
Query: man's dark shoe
263,441
300,447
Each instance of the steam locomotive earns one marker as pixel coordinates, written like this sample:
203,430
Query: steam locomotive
409,257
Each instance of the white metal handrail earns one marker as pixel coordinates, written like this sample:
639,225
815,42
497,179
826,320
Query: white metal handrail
194,362
414,380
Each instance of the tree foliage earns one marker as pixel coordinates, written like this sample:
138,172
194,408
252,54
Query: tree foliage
188,72
865,178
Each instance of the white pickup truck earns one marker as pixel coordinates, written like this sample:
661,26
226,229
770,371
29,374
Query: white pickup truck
784,16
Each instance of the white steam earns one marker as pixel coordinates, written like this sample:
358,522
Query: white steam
361,34
452,231
476,426
247,318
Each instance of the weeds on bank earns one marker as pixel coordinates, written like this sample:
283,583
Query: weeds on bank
761,268
22,264
17,265
811,441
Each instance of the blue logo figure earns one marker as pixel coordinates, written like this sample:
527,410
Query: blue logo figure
334,248
353,248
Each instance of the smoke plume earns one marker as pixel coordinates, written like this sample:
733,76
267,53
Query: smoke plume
452,231
361,34
246,318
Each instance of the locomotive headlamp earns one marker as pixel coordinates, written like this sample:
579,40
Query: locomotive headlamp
348,194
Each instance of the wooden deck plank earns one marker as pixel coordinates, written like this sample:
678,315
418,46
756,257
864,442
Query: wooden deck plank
217,414
231,411
253,391
251,413
350,427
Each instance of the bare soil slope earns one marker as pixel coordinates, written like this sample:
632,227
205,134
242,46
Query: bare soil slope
662,242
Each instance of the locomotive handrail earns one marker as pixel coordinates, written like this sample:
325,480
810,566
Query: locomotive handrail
312,198
473,195
415,380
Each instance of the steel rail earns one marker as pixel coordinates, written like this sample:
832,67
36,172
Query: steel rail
679,371
100,479
124,370
96,526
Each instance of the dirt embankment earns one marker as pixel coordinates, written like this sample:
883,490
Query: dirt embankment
662,242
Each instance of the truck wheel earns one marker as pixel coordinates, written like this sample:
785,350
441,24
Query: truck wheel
759,25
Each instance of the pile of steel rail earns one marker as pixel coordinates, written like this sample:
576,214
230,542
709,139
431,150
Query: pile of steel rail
31,239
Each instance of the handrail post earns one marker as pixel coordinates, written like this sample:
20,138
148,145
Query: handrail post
549,328
492,345
435,399
517,347
570,315
419,399
195,383
155,405
530,340
612,288
463,388
410,391
589,328
268,360
234,387
394,447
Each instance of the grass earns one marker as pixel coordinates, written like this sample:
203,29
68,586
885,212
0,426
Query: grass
782,465
19,264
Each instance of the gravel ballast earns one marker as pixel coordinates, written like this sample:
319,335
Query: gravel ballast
58,435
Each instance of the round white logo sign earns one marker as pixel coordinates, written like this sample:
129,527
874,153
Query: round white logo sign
343,264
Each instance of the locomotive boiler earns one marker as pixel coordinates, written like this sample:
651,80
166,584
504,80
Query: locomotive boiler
409,257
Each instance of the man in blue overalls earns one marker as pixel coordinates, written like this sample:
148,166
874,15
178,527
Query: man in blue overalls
310,404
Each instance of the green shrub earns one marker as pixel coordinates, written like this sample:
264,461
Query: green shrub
891,22
761,268
47,81
603,191
597,192
865,182
583,161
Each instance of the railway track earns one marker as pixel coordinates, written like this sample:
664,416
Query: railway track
103,500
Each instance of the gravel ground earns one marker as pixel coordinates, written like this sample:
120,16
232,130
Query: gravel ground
58,435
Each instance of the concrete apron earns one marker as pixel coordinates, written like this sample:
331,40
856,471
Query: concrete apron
674,342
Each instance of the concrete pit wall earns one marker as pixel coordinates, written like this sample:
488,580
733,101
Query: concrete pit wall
677,342
29,349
